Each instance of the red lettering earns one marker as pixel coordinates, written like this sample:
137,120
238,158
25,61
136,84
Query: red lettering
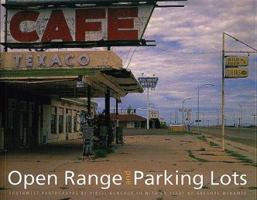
122,19
15,23
82,26
57,28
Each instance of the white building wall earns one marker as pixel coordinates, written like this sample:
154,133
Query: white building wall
75,134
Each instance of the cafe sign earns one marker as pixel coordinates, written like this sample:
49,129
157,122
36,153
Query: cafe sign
77,25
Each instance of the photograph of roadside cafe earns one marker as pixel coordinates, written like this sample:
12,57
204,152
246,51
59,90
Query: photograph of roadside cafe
46,65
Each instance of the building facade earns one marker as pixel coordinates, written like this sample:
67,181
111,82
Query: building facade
31,120
131,120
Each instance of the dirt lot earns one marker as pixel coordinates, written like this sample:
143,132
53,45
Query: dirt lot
178,154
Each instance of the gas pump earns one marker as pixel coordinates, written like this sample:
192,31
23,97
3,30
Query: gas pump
87,129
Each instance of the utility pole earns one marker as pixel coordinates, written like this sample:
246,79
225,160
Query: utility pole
183,114
254,119
148,83
241,114
198,104
147,117
176,117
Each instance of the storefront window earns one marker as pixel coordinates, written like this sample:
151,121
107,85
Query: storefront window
75,122
68,121
61,120
53,120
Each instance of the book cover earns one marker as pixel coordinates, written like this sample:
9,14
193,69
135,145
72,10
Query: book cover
117,99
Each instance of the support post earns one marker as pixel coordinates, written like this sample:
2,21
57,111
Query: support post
117,120
89,100
223,94
198,109
107,117
147,114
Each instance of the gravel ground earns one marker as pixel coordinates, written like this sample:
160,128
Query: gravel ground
151,154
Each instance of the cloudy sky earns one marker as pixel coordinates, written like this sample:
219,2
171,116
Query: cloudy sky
188,54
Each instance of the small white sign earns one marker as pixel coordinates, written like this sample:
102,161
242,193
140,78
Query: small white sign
236,72
235,61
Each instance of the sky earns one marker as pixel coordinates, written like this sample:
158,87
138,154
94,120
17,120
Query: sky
188,55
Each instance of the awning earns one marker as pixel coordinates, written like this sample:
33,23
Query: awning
104,71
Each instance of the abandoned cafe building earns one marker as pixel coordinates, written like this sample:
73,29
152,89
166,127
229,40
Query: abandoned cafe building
40,89
42,93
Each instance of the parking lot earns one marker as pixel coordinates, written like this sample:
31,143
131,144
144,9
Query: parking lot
148,154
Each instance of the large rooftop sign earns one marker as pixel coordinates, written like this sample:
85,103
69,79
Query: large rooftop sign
77,25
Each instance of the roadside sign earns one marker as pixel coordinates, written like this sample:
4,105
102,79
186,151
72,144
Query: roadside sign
148,82
154,114
236,72
235,61
77,25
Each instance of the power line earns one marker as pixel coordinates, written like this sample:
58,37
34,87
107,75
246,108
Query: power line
131,57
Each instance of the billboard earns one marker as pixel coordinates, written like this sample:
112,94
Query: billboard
77,25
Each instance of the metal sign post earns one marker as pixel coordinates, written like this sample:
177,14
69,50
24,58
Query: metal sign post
148,83
236,67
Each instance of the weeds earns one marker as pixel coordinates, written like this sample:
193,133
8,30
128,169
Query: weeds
101,153
191,155
252,188
202,137
213,144
240,157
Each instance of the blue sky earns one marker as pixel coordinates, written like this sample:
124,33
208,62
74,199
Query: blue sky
188,54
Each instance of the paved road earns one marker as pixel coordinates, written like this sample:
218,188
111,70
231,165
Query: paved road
241,135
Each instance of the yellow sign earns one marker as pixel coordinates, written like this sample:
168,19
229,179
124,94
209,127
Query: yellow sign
236,72
59,60
235,61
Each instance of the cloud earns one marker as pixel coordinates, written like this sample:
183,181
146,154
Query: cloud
188,54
